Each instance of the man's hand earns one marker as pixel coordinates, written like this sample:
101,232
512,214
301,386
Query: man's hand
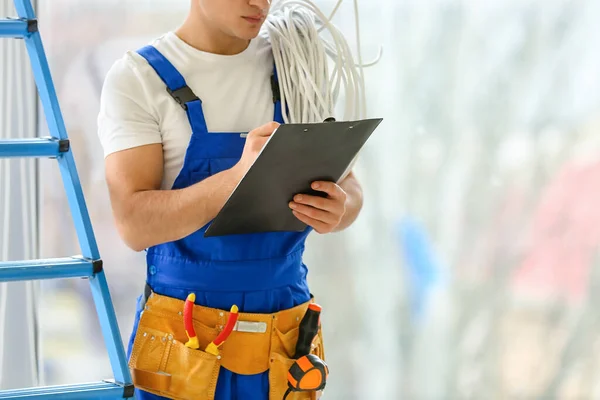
255,141
324,214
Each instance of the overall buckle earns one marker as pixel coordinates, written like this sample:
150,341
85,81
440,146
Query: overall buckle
183,95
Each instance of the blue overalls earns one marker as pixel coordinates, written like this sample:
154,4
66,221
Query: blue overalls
260,273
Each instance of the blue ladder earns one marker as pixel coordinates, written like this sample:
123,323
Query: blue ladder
89,264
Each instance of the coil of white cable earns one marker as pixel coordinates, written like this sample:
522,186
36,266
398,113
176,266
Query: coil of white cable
309,92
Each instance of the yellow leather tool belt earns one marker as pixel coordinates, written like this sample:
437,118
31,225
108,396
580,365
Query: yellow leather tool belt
160,363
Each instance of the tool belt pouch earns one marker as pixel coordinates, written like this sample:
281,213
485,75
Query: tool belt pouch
284,346
161,364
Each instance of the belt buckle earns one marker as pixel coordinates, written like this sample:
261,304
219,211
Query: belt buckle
250,327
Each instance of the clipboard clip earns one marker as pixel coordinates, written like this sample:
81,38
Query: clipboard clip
328,119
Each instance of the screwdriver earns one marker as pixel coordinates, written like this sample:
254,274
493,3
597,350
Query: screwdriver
309,327
309,372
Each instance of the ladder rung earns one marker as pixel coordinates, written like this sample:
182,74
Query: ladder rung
32,147
97,390
52,268
17,28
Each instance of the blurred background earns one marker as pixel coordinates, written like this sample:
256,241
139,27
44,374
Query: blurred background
472,270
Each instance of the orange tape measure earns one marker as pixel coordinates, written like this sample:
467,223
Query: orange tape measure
308,373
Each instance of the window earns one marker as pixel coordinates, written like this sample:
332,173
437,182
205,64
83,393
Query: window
473,265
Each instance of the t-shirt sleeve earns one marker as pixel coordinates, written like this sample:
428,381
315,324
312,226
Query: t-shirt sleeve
126,118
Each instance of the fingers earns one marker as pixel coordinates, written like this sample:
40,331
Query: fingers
333,190
316,214
323,214
321,203
318,226
264,130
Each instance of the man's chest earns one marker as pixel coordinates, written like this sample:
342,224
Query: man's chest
229,107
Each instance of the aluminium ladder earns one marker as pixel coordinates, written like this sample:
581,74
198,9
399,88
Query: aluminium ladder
89,264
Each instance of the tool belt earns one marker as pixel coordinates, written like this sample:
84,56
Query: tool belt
161,364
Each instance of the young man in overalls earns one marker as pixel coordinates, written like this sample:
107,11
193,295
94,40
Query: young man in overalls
170,123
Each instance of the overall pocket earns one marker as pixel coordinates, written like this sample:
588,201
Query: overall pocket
194,372
278,373
163,366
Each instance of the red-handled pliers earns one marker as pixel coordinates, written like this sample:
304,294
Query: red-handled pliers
188,309
213,347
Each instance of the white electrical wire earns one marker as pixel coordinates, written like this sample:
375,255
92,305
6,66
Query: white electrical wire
309,93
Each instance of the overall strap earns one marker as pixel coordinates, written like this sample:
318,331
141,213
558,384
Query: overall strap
176,87
278,117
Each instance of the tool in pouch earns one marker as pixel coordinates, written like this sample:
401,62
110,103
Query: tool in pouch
213,347
308,373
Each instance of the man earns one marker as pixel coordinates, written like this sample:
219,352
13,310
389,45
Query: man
169,123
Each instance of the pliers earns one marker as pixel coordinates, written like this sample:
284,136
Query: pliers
213,347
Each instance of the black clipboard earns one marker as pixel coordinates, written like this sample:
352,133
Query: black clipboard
294,156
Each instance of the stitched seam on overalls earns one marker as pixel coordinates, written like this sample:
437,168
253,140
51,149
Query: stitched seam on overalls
225,291
176,257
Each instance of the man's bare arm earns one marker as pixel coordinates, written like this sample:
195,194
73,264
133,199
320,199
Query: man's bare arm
146,216
354,201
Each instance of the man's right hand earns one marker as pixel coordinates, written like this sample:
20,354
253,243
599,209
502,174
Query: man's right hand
255,141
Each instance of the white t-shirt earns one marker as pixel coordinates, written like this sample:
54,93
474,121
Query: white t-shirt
136,109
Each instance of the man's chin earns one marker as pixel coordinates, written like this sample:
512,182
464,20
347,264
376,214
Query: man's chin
248,35
249,32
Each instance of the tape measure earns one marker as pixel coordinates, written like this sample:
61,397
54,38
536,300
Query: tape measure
308,373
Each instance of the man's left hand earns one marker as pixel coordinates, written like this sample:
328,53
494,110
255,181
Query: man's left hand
323,214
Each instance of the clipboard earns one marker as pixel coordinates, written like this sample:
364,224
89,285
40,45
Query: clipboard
294,156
